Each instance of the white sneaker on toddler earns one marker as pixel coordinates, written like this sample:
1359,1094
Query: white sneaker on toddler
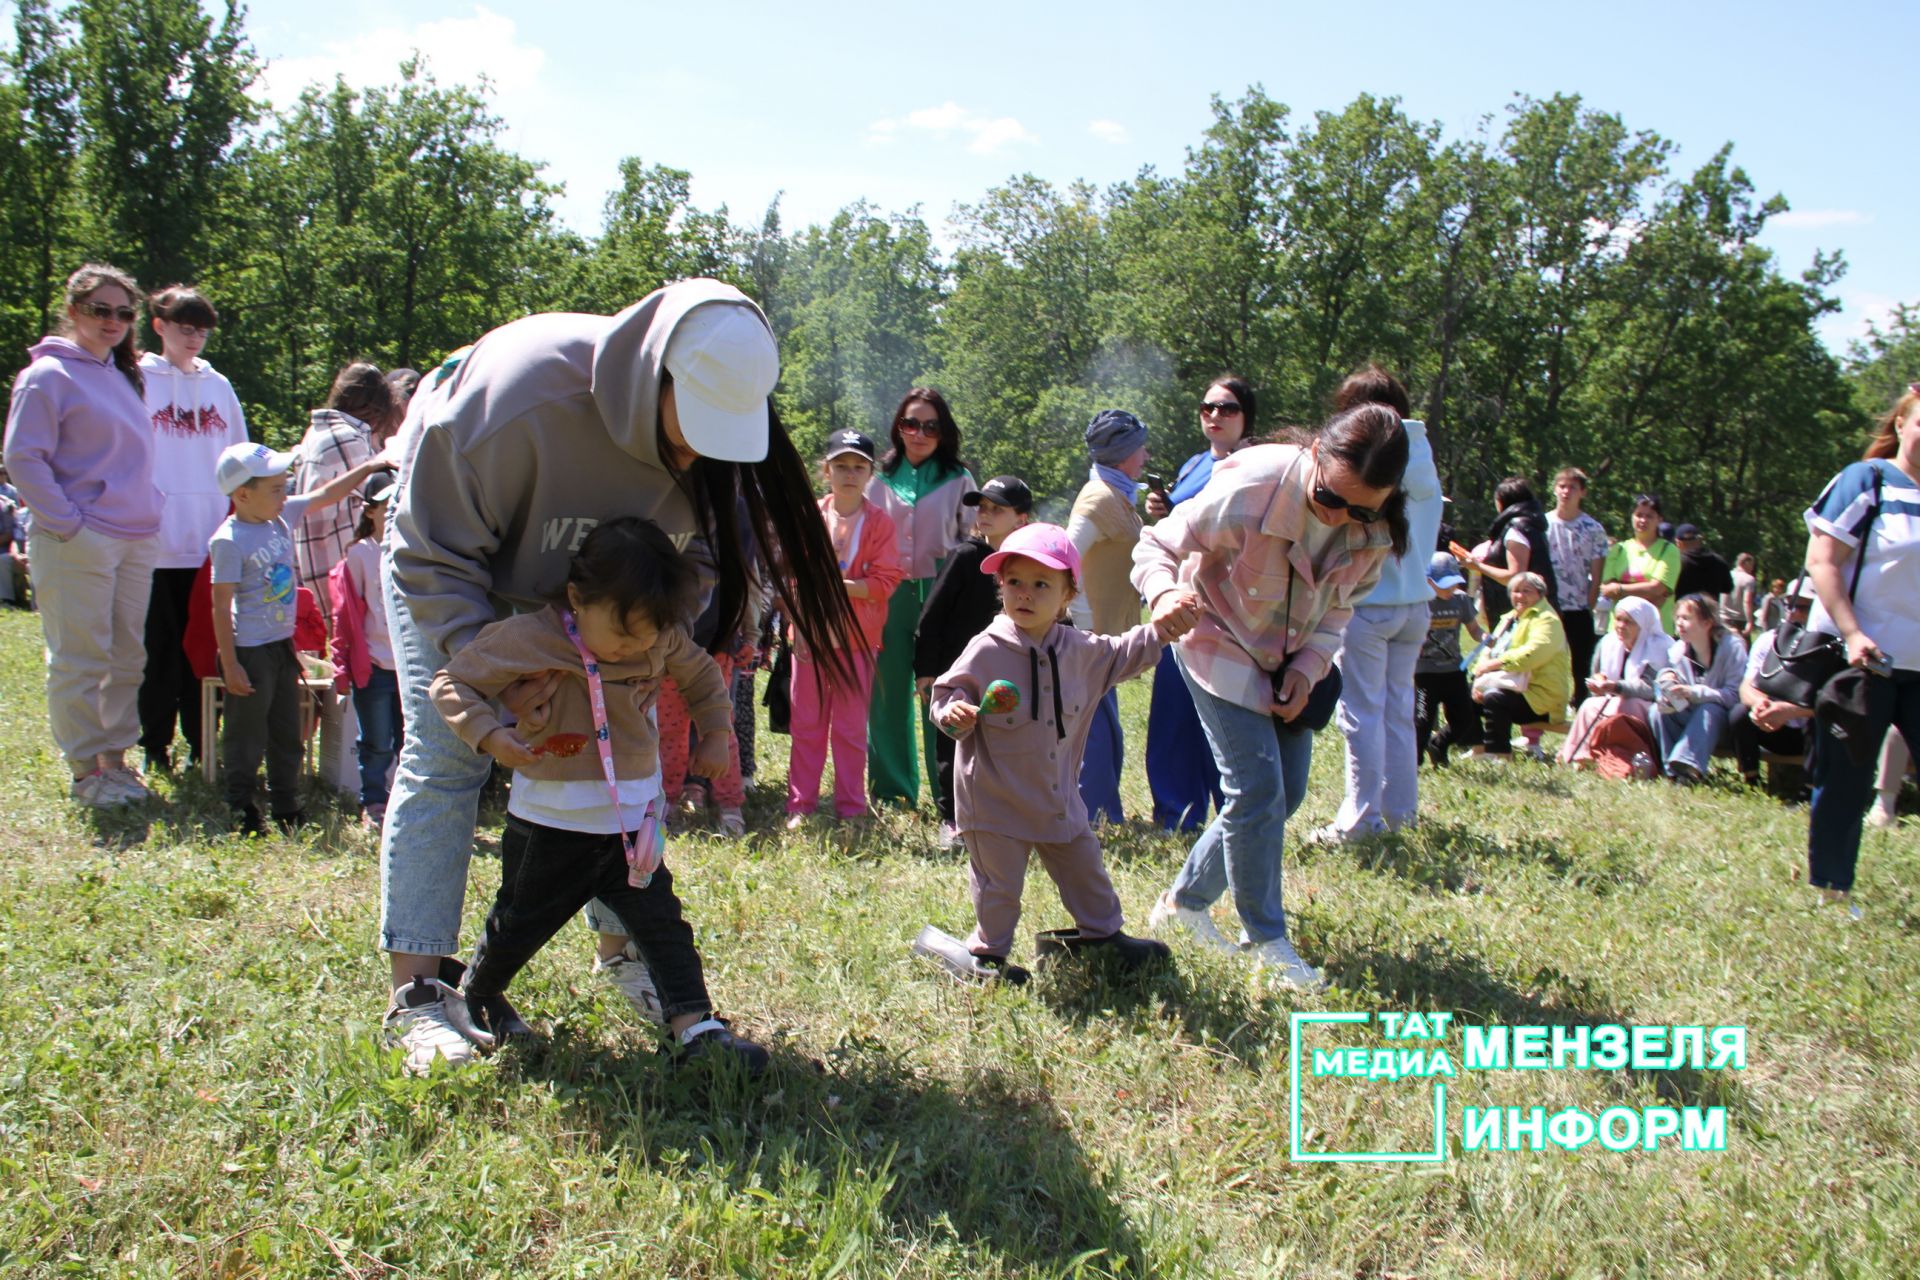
628,972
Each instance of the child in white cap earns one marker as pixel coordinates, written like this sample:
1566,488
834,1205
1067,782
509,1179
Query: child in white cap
1016,788
253,617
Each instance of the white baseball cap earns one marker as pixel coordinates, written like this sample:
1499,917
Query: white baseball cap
724,365
240,463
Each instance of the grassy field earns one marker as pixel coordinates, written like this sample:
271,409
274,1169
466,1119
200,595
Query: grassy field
192,1080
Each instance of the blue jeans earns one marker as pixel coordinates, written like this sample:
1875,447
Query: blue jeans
427,839
1689,736
1842,789
1100,763
1263,775
377,707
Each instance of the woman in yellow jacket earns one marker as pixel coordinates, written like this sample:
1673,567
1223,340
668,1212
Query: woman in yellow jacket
1530,678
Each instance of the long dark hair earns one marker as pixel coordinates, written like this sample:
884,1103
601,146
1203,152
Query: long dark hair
1371,442
946,452
126,352
777,496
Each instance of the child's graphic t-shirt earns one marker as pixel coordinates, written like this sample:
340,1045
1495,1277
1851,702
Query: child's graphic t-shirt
258,559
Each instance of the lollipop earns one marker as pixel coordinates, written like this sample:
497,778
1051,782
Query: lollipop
562,744
1001,696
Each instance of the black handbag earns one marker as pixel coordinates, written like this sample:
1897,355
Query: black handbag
778,698
1804,661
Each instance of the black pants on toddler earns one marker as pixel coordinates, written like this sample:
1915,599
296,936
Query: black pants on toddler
547,876
1451,691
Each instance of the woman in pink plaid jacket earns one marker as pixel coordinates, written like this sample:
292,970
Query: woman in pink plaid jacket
1279,545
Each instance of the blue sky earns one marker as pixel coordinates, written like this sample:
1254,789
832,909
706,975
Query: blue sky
930,105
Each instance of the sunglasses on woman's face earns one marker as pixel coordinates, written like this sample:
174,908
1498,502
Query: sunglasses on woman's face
1220,408
105,311
1334,502
913,427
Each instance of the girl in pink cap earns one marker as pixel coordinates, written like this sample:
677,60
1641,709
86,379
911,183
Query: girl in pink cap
1016,786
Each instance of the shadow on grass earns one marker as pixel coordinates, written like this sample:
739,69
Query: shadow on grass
862,1139
1436,976
1227,1020
1452,857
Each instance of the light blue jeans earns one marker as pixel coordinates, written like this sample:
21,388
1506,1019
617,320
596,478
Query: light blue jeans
1689,736
1263,775
427,840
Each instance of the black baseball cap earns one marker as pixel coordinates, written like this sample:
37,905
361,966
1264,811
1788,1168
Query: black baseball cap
1686,533
849,441
1007,491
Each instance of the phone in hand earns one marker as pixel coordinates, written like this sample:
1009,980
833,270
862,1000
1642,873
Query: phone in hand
1878,663
1155,484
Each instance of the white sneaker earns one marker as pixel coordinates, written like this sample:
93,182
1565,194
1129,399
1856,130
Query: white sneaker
1278,955
1328,836
95,790
127,786
1168,916
949,837
429,1020
1883,815
629,973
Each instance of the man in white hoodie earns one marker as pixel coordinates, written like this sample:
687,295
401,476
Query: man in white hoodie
195,416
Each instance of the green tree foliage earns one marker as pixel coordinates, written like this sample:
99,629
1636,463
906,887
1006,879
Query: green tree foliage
1548,289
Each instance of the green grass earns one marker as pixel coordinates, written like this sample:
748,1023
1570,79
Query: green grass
192,1083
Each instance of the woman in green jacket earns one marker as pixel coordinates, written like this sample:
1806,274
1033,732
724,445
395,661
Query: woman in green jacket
1535,663
919,485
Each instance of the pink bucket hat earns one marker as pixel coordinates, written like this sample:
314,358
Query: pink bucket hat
1047,543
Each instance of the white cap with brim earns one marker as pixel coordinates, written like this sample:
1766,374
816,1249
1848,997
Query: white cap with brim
724,365
240,463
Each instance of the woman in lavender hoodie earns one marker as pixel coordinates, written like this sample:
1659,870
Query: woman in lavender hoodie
81,453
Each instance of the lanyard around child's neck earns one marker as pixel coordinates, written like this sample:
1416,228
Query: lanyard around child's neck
643,847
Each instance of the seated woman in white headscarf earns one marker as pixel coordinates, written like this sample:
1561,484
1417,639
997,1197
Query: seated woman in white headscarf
1625,664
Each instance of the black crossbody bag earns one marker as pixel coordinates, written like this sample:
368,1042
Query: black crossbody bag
1804,661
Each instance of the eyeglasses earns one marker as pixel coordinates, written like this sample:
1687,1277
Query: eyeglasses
1334,502
914,427
104,311
1223,408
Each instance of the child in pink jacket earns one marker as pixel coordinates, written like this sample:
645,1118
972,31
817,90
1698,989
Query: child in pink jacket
825,707
1016,788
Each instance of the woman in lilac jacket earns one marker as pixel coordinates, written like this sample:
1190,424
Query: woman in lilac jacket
80,451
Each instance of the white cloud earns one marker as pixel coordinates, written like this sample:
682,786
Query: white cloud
984,134
1109,131
1814,218
456,50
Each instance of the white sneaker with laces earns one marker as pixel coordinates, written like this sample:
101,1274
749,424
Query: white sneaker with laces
127,785
1168,915
429,1020
1278,955
629,973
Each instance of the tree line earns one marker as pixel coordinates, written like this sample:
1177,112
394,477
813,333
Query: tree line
1550,287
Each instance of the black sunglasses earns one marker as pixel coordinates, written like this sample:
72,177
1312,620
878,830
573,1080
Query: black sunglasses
104,311
1225,408
1334,502
910,427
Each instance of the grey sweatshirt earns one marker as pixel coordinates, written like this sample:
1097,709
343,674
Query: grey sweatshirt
545,428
